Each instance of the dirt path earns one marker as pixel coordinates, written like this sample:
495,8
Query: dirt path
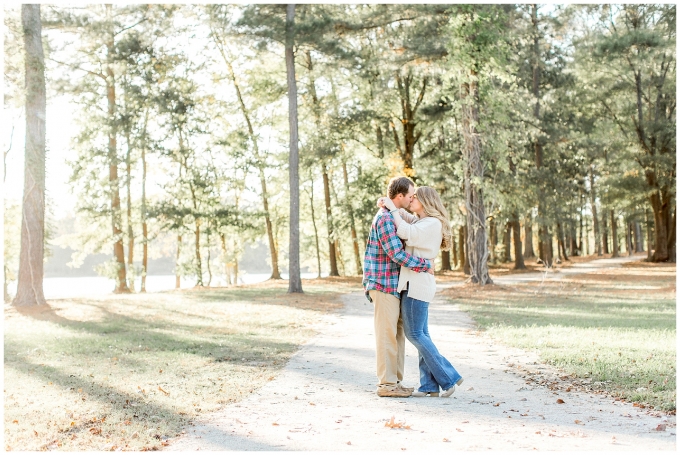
324,399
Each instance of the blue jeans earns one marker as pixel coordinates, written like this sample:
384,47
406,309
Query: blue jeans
435,370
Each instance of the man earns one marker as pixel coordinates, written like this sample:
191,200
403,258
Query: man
382,260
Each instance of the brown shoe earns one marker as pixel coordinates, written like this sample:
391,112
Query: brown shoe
401,386
393,391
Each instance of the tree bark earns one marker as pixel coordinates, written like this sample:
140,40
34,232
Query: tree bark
408,114
454,251
629,239
31,255
517,241
352,224
493,239
561,244
118,250
316,232
639,247
130,233
605,233
596,225
650,237
477,249
615,237
507,241
295,282
177,272
462,235
145,233
333,261
528,238
446,260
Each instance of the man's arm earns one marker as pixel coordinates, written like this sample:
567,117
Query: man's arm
389,241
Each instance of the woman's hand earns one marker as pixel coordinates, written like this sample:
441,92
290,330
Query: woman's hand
388,204
381,202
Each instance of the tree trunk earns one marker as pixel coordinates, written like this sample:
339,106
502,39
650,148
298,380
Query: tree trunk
130,233
329,221
352,224
517,241
294,283
650,237
446,260
177,271
207,260
118,251
561,242
145,233
408,115
477,250
671,238
316,232
261,162
639,239
529,238
493,240
454,251
596,225
615,237
462,235
605,233
507,241
197,251
629,239
31,255
225,260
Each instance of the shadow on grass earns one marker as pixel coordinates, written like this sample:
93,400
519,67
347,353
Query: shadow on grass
130,333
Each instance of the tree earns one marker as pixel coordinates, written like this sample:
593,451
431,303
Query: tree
295,283
31,256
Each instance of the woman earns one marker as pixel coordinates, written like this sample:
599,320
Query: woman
424,234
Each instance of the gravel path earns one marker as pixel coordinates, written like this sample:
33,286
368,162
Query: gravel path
324,399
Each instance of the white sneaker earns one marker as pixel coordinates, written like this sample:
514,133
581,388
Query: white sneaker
448,392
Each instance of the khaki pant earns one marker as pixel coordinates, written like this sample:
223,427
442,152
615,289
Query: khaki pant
389,337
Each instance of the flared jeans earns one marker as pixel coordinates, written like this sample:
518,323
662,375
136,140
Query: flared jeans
435,370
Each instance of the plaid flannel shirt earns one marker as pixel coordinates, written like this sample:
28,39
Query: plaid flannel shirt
385,254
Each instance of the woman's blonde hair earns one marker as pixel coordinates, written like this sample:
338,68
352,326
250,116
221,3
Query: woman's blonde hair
433,206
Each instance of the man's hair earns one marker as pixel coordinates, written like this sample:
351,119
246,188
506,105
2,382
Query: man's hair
399,185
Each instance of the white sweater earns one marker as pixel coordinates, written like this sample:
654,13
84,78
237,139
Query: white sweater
423,239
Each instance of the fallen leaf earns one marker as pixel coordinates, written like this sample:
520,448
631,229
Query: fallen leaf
560,401
446,440
35,432
312,404
96,430
275,424
578,422
161,389
660,427
465,421
338,421
538,432
349,443
16,421
458,429
497,404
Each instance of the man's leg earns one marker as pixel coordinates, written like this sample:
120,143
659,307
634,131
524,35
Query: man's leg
401,348
386,321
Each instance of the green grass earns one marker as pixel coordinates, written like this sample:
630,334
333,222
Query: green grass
614,327
126,371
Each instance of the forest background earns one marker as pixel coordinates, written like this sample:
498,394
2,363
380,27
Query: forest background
548,130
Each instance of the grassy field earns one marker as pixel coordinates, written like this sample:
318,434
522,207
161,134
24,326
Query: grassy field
614,327
127,371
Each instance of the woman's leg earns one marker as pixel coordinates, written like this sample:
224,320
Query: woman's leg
415,314
427,380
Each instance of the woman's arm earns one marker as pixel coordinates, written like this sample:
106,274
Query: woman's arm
396,213
420,234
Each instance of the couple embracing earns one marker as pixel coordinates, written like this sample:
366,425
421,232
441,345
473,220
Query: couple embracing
399,281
